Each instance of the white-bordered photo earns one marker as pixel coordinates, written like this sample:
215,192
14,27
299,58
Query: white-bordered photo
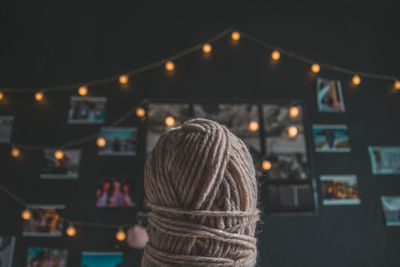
384,160
331,138
101,259
391,210
339,190
87,110
45,221
119,141
46,257
329,96
6,125
61,164
7,244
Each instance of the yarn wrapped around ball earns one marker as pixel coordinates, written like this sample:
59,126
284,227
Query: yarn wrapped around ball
201,188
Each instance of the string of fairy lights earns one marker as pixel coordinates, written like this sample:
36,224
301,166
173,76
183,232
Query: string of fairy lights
169,64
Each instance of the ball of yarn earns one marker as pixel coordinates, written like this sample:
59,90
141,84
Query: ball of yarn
201,187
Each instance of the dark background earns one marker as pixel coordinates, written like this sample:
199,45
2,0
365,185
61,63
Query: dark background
59,43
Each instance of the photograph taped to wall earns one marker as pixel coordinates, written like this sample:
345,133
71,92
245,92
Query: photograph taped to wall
331,138
161,118
87,110
384,159
329,96
285,142
7,244
339,190
119,141
63,165
115,193
391,210
101,259
46,257
6,125
46,221
290,197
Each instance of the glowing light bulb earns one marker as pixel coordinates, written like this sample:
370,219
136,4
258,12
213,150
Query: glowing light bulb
169,65
293,131
101,142
235,36
170,121
275,55
294,112
39,96
140,112
58,154
15,152
207,48
71,230
356,80
120,235
26,215
83,90
1,95
396,85
123,79
253,126
266,165
315,68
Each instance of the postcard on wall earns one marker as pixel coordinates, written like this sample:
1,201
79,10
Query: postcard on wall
6,125
7,244
115,193
329,96
385,159
101,259
119,141
87,110
331,138
41,256
61,164
391,210
339,190
46,221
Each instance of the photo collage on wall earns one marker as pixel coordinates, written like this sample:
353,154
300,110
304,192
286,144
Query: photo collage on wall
6,125
45,221
7,244
41,256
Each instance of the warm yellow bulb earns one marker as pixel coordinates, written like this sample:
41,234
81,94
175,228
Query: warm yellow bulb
253,126
170,121
235,36
315,68
1,95
123,79
71,231
207,48
58,154
39,96
101,142
266,165
294,112
140,112
293,131
356,79
15,152
275,55
120,235
169,66
26,215
396,85
83,90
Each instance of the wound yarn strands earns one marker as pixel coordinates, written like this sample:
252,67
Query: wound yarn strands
201,187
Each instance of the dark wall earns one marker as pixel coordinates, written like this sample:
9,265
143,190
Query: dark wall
53,43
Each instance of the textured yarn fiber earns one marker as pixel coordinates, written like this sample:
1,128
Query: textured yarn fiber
201,187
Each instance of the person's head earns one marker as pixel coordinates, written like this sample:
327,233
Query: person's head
201,186
106,186
117,185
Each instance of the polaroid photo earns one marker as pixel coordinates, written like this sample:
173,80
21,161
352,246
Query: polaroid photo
6,125
46,221
331,138
7,244
385,160
115,193
101,259
119,141
41,256
391,210
329,96
63,165
87,110
339,190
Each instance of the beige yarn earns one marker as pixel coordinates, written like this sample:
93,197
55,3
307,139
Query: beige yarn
201,187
